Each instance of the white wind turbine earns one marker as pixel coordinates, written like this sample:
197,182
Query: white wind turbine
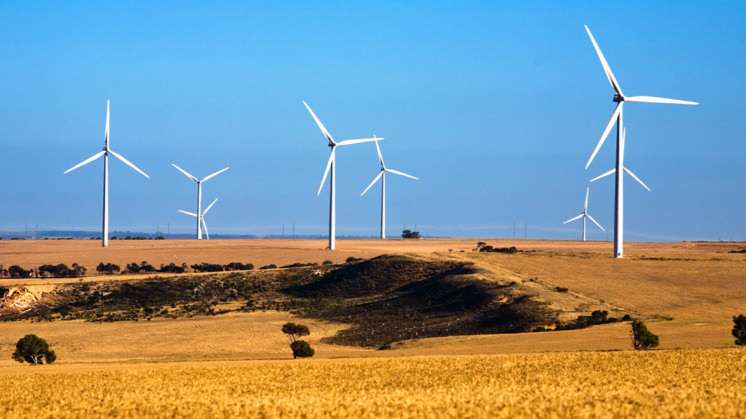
105,152
585,215
201,220
199,197
330,166
382,176
629,172
619,98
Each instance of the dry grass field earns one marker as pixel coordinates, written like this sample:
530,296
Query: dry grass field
682,383
698,286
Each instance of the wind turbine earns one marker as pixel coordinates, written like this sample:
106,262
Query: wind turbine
105,152
201,220
199,195
585,215
617,116
382,176
629,172
330,166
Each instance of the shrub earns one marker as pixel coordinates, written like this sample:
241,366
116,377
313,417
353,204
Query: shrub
238,266
739,329
327,262
301,349
353,259
34,350
270,266
16,271
173,268
207,267
642,338
108,268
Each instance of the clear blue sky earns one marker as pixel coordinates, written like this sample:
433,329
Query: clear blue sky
496,106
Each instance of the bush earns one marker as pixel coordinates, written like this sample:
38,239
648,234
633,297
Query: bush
108,268
270,266
327,262
642,338
739,329
34,350
301,349
173,268
16,271
238,266
207,267
353,259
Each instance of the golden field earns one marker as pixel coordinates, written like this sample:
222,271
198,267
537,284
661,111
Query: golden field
682,383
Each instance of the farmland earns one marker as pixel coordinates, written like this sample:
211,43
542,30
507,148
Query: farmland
239,363
683,383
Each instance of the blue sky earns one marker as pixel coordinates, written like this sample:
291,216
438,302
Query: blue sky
495,106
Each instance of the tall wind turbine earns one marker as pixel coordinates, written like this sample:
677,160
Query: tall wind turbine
201,219
619,98
330,166
199,195
382,176
105,152
585,215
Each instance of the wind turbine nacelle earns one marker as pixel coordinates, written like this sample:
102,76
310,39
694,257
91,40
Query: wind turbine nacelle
618,98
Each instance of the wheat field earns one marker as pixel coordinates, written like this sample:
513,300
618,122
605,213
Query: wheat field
680,383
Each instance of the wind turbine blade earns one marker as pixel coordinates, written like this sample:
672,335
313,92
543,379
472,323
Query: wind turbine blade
215,174
106,133
652,99
604,175
613,119
127,162
205,227
362,140
585,207
372,183
188,213
326,172
636,178
595,222
210,206
380,156
321,126
573,219
607,69
86,161
185,172
396,172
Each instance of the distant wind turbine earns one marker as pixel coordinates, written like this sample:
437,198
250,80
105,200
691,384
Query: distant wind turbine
330,166
105,152
617,117
629,172
382,176
199,197
201,220
585,215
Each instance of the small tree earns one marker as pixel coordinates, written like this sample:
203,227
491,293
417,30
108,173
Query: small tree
642,338
301,349
34,350
739,329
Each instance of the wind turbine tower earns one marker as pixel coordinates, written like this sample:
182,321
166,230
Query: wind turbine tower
105,152
617,117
